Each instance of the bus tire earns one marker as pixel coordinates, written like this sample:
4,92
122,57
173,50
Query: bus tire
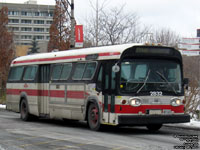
93,117
24,110
154,127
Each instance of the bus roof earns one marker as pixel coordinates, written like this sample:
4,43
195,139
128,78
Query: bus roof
95,53
104,52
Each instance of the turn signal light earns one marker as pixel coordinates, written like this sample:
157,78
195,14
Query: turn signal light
123,101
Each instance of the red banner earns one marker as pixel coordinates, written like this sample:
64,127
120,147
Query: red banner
79,35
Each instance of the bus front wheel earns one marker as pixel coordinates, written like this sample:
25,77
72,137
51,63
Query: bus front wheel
24,111
93,117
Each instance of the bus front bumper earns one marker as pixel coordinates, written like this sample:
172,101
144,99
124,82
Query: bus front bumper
152,119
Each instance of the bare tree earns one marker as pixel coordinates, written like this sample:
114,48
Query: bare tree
59,29
115,27
118,27
191,63
6,47
166,37
93,29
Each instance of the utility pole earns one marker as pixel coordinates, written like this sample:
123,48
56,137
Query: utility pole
66,3
97,22
72,41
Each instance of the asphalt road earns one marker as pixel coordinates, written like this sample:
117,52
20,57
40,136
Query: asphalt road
46,134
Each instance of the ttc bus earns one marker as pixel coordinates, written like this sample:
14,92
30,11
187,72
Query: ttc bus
130,84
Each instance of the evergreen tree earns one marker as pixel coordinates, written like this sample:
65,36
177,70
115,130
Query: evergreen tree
34,48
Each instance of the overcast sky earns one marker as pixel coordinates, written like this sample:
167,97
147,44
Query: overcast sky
181,16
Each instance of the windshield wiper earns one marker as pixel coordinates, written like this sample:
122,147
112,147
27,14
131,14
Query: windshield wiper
163,77
145,81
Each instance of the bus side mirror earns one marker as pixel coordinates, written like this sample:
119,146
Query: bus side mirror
115,68
185,83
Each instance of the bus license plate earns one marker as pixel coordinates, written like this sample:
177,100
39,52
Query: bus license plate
155,112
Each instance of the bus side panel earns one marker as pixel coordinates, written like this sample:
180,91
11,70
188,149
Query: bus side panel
57,101
16,91
76,99
12,97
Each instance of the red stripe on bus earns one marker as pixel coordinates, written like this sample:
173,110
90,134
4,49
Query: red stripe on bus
52,93
49,59
143,108
63,58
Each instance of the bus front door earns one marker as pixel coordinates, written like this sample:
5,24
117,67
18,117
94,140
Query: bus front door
43,90
109,93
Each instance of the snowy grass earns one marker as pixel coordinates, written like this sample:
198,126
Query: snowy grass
193,123
2,106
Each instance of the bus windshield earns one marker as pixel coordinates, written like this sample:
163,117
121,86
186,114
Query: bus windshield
145,75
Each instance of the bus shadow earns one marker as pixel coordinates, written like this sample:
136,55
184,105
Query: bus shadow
124,130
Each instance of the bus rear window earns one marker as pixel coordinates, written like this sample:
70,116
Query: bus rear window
16,73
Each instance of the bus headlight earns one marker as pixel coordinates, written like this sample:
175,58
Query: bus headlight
135,102
176,102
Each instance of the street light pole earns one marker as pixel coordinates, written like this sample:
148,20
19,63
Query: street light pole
72,40
66,3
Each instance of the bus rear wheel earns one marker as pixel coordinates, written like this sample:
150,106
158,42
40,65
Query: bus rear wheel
24,111
154,127
93,117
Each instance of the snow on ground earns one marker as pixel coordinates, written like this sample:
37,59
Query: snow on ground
3,106
193,123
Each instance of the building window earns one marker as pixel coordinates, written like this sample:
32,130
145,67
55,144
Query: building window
48,37
51,14
13,28
16,36
25,37
26,21
39,29
37,13
39,37
47,29
49,22
13,13
44,14
25,13
13,20
41,14
38,21
26,29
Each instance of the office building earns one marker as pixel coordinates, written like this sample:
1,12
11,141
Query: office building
30,20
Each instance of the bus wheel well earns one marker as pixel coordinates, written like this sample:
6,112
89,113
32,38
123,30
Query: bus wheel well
87,107
20,102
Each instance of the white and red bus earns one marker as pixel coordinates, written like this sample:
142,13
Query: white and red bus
131,84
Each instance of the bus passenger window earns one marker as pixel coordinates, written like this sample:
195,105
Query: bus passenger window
79,70
66,71
56,72
16,73
89,71
30,73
